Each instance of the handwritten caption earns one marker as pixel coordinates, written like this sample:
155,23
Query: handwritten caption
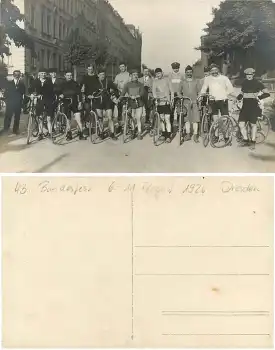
47,187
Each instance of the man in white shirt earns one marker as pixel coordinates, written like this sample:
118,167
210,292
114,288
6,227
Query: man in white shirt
120,81
219,87
123,77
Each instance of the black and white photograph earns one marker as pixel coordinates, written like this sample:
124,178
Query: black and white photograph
137,86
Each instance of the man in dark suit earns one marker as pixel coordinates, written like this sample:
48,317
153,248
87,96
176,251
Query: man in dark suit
14,94
43,87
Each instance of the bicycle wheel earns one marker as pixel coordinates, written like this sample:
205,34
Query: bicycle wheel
32,129
96,125
205,128
156,127
180,129
263,127
128,129
60,126
45,125
221,132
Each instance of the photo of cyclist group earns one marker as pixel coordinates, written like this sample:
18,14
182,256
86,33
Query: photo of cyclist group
153,107
175,108
167,108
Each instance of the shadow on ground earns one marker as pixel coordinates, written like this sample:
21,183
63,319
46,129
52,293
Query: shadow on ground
44,168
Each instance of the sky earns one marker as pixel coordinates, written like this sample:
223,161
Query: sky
170,28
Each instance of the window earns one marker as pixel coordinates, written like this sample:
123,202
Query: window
54,60
48,23
64,31
42,19
60,30
48,59
60,63
42,58
32,15
54,27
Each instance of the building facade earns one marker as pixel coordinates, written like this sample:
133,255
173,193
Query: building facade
49,23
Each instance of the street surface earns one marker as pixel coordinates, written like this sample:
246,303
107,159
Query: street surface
134,157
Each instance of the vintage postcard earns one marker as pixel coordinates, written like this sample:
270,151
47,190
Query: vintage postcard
137,86
137,262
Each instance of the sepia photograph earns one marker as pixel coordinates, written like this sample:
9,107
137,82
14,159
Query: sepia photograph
136,86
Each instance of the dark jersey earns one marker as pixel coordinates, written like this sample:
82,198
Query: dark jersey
70,89
252,86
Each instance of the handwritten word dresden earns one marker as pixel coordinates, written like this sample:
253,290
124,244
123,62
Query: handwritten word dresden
229,187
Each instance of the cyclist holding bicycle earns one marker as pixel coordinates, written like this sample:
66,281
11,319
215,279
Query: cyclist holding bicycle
252,92
189,87
136,93
162,90
220,88
175,78
107,90
70,93
44,89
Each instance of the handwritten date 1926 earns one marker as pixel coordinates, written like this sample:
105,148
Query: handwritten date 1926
194,189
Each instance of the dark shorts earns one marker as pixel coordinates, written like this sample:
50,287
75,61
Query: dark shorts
250,111
164,109
47,106
105,104
219,106
70,108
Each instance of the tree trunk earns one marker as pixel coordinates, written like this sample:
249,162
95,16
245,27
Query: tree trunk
74,72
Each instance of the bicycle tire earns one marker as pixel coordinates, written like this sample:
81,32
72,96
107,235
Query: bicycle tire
30,129
94,133
60,126
129,128
222,130
205,129
156,126
180,129
263,121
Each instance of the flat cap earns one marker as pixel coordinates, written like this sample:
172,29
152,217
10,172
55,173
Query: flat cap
249,71
175,65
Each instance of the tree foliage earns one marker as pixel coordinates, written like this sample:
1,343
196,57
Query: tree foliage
79,51
10,30
244,27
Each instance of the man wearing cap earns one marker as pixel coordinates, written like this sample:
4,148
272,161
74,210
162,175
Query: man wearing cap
135,90
219,86
162,90
175,78
190,87
252,92
43,87
107,89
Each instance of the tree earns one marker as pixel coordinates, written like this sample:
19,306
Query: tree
79,51
244,30
10,30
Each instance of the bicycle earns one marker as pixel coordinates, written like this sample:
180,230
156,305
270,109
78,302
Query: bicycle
91,120
263,125
156,122
182,113
61,124
129,122
207,119
2,100
33,120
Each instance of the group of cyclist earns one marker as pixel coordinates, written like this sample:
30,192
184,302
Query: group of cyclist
105,97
